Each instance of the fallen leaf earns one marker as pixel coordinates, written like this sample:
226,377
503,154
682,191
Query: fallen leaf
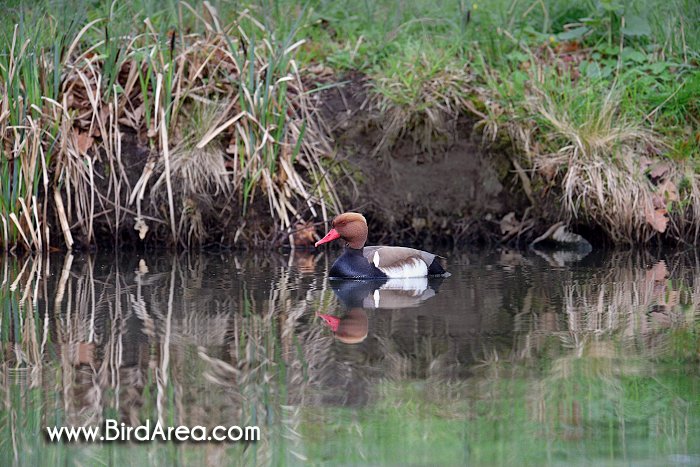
321,70
669,190
659,170
657,219
138,114
83,141
509,224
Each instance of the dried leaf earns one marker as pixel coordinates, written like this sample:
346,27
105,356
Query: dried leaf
320,70
509,224
141,226
83,141
659,170
657,219
133,119
669,190
138,114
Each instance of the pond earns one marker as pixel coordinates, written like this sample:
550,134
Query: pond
516,358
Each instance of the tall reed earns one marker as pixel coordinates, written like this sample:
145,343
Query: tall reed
71,105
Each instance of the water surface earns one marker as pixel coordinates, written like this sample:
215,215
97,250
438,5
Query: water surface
516,358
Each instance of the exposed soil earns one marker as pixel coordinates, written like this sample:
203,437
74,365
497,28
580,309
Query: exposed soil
455,191
217,215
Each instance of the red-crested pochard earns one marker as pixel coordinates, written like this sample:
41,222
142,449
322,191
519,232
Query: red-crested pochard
375,262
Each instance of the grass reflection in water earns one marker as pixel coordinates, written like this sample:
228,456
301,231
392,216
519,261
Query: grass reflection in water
511,361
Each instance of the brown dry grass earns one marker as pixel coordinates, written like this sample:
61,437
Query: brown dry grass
608,172
605,166
224,114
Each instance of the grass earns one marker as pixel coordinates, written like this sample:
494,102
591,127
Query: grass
574,85
220,98
185,97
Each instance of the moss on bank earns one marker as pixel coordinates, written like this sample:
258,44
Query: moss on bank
596,102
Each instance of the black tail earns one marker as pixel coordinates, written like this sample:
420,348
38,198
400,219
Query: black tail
436,268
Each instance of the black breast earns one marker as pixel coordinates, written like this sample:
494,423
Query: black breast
353,265
352,293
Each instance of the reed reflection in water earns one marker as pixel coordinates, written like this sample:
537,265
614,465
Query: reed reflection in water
511,359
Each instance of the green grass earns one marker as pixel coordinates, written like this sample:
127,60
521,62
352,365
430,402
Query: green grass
430,64
538,73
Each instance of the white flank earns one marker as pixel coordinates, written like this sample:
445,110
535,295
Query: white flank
406,292
414,285
416,267
375,260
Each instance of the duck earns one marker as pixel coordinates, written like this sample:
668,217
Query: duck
375,262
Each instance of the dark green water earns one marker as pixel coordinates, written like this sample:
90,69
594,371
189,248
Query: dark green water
515,359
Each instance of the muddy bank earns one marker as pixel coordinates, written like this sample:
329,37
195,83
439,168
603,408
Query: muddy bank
453,188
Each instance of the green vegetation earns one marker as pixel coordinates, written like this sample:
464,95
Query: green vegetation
598,96
598,99
220,107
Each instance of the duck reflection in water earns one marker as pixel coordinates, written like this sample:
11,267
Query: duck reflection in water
352,328
359,295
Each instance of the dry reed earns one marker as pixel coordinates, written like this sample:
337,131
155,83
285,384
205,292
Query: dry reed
256,135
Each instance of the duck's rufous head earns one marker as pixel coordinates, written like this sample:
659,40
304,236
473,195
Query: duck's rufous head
351,227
